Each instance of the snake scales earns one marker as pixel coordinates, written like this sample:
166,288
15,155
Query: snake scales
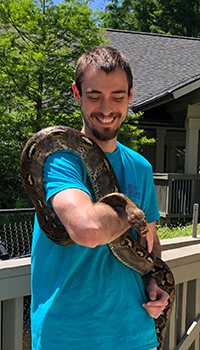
106,189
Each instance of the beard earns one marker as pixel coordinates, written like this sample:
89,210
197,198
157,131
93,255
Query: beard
108,133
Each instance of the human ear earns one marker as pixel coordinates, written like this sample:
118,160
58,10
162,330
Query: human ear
76,93
130,95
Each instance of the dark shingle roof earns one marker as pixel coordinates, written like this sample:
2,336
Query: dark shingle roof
161,64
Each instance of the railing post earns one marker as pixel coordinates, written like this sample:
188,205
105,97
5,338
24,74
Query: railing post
12,335
195,219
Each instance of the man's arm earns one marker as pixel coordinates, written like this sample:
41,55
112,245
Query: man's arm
88,224
158,298
91,224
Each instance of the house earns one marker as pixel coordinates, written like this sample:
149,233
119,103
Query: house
166,72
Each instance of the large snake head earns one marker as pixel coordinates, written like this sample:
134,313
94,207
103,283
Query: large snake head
135,215
137,219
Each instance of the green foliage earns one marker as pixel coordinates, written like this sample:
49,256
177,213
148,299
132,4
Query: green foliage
39,46
115,15
131,136
173,231
175,17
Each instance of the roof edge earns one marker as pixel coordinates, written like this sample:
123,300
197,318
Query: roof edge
186,89
172,94
152,102
151,34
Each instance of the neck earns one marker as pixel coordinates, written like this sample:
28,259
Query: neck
106,146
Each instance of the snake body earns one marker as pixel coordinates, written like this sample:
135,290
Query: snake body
106,189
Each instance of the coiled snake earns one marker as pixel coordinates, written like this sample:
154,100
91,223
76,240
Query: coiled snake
106,189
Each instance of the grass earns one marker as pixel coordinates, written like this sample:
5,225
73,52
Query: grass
173,231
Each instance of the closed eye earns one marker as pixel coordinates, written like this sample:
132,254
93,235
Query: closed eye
94,98
94,95
118,98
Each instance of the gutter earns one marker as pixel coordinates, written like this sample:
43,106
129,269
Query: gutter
151,103
168,96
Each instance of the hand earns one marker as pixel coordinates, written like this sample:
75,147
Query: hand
151,241
158,300
148,241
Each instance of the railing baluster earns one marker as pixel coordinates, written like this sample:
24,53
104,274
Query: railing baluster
188,194
197,305
197,311
183,309
172,328
181,197
196,344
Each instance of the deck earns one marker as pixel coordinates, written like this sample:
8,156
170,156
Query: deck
181,254
177,194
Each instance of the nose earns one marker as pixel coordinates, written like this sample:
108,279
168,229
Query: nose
105,106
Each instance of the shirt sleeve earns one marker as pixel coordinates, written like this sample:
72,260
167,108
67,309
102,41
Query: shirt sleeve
63,170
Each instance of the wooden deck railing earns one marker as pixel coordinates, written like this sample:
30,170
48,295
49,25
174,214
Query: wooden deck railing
181,254
183,257
14,285
177,193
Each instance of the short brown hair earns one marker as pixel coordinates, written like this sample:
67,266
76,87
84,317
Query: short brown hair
102,57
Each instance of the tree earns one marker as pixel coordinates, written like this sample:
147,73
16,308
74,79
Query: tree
131,136
115,16
39,45
175,17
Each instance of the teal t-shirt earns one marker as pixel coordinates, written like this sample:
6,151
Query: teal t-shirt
84,298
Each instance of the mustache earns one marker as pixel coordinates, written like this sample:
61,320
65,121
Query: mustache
101,115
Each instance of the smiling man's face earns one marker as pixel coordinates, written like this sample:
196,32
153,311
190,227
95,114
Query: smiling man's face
104,102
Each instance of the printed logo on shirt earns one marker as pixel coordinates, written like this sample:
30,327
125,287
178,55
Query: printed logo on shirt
132,191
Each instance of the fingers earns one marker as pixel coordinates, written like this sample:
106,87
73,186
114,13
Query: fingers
154,309
154,312
147,242
150,241
158,300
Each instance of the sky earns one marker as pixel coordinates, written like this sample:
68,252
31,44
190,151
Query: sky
94,4
98,4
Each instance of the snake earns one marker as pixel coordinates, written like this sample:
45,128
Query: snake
104,183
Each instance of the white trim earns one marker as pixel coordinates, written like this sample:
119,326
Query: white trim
186,89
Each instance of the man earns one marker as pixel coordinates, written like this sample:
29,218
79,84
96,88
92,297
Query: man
82,297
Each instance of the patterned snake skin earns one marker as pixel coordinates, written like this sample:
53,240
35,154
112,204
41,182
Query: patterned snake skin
106,189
